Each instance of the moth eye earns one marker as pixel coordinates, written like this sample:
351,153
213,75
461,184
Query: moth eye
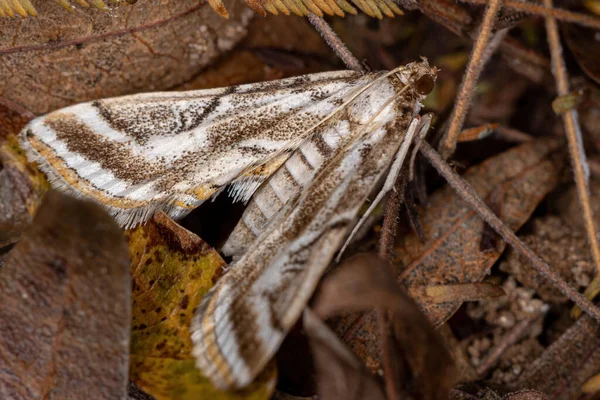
425,84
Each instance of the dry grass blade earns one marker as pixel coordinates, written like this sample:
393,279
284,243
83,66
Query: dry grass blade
24,8
373,8
545,10
474,68
576,150
470,196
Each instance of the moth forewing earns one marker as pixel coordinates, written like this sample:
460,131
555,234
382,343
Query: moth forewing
171,151
324,140
243,319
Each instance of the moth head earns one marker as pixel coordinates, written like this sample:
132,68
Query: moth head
425,84
420,76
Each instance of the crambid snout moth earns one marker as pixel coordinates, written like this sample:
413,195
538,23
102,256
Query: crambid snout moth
307,150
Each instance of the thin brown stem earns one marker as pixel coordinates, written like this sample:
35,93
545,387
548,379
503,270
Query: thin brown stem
576,150
390,221
336,44
388,235
474,68
545,11
391,386
469,195
513,135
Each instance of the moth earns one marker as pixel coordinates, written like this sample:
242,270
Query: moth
306,152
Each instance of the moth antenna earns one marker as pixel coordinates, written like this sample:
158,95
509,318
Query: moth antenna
390,180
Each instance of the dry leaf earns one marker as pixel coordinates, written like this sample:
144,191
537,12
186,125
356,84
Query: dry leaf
65,293
62,58
477,132
526,394
340,375
274,48
564,247
172,269
422,362
22,186
585,46
459,292
12,118
567,363
451,252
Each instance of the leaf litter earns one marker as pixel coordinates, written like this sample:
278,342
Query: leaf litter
172,269
516,331
65,292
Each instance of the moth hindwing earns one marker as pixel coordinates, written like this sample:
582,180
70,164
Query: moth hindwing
296,222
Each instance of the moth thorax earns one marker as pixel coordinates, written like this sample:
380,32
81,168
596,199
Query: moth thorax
374,105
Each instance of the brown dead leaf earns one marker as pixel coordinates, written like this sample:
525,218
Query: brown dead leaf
172,269
475,392
563,246
477,132
340,375
450,253
526,394
422,363
567,363
61,58
22,186
459,292
12,118
274,48
585,47
65,293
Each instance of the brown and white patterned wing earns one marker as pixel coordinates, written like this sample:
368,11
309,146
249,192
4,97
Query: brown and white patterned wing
173,150
241,321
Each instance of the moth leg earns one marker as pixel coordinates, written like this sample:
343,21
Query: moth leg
423,129
390,180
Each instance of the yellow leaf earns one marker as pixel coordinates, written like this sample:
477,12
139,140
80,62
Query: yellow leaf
172,269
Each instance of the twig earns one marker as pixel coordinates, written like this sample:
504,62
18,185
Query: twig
544,10
510,338
336,44
578,159
512,134
469,195
474,68
388,235
390,220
